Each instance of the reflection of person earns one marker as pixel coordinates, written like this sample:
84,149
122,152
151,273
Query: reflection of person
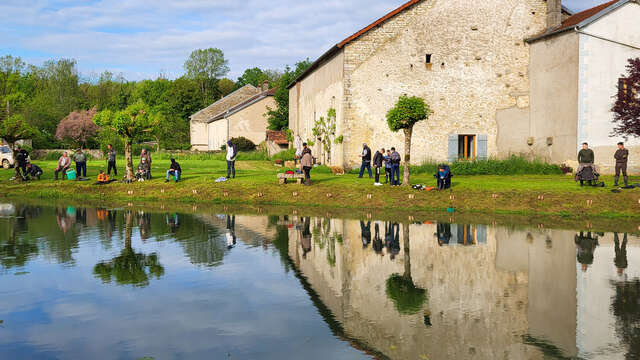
231,231
64,222
306,237
365,233
377,240
392,239
586,246
173,222
144,224
444,233
621,253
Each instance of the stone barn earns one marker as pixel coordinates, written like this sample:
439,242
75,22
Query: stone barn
241,113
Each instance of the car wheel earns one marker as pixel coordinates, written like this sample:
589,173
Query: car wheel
5,164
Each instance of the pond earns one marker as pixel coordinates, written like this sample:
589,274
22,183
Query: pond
125,283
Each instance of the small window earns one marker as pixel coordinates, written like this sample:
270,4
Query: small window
428,59
466,147
626,89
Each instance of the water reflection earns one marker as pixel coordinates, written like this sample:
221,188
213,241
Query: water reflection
365,287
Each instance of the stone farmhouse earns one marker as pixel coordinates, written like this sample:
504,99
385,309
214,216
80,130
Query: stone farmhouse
501,76
241,113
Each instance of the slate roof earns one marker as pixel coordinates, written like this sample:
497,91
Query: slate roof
243,105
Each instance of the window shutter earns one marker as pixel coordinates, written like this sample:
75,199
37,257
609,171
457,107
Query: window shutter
481,234
482,147
453,148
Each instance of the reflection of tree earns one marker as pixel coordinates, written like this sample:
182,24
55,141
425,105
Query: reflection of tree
407,298
325,236
15,246
130,268
626,307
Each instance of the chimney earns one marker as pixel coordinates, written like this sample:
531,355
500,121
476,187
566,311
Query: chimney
554,14
265,85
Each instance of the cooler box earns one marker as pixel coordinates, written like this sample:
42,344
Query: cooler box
71,174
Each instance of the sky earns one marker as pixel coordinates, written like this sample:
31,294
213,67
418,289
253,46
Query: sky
143,39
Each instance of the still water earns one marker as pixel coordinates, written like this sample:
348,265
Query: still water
87,283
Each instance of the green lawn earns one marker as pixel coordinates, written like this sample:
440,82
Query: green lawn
256,183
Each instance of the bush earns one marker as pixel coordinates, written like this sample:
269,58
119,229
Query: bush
286,155
243,144
515,165
53,156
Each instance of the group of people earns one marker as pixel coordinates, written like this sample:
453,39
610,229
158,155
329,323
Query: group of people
391,159
588,172
25,169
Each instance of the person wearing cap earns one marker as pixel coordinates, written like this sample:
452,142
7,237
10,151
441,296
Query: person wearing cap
366,161
64,162
232,152
80,159
174,170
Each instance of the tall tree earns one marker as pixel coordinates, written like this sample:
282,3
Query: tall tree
626,110
206,66
407,112
278,118
135,123
13,129
254,76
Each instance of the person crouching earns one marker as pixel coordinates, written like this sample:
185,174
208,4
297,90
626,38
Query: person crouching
33,171
174,170
444,177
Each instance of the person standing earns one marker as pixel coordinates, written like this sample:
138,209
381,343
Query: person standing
387,166
377,165
621,156
366,161
146,154
307,163
81,163
395,167
22,158
111,160
232,152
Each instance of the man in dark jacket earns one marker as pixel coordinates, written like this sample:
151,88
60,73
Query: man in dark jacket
111,160
33,171
395,167
366,161
621,156
586,158
174,170
377,165
22,158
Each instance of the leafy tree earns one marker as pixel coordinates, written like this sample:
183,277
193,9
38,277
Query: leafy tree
626,110
78,127
226,86
133,124
13,129
325,131
254,76
407,112
278,118
206,66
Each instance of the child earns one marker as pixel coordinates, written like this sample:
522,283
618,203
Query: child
102,178
387,166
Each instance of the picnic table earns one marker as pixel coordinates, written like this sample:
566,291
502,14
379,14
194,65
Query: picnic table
282,178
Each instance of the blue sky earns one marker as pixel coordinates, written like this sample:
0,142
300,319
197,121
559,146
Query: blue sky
144,38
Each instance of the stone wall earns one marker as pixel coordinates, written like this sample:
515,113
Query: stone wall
479,66
41,154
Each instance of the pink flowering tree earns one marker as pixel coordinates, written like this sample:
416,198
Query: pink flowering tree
77,127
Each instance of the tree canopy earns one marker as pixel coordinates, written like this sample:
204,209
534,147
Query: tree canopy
626,110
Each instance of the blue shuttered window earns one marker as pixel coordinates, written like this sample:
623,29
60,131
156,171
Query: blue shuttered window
482,147
453,148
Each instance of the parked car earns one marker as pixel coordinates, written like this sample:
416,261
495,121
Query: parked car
6,157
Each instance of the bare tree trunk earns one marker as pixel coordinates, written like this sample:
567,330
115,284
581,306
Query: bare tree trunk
407,155
128,160
407,257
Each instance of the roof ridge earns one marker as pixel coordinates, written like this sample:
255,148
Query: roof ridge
222,98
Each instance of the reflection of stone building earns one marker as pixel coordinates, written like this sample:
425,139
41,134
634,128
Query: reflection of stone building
511,296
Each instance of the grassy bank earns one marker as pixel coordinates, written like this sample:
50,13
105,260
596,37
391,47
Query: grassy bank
256,184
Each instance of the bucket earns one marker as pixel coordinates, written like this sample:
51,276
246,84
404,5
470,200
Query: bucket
450,210
71,174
